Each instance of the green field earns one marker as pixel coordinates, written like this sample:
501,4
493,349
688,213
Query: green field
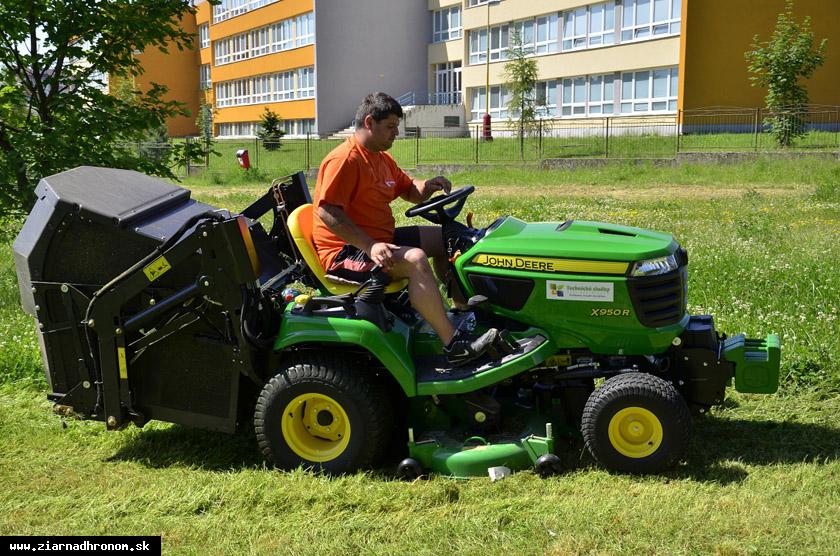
434,148
762,475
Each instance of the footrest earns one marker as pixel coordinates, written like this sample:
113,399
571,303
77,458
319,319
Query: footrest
756,363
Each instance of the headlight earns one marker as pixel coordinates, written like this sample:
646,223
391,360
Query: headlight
653,267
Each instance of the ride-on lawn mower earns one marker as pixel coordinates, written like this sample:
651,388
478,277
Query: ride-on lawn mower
151,305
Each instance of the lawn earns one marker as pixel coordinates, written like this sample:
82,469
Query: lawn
762,474
629,140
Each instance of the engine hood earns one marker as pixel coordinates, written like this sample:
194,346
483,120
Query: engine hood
574,239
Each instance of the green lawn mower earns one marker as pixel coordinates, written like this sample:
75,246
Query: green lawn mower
151,305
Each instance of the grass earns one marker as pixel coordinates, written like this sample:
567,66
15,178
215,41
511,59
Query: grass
762,475
631,142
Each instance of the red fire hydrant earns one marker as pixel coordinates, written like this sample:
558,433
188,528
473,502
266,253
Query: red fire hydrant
242,158
486,133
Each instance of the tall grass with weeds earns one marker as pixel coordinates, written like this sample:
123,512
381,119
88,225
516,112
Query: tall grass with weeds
762,471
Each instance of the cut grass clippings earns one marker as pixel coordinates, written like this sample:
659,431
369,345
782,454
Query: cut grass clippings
762,474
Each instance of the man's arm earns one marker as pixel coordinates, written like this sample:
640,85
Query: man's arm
421,190
337,220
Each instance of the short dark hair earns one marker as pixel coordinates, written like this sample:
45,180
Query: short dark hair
378,105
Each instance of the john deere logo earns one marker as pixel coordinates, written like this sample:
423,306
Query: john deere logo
541,264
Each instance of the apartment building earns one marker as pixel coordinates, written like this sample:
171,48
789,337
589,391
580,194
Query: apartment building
311,61
593,59
253,55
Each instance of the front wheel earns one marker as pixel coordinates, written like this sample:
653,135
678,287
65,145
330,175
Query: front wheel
320,413
636,423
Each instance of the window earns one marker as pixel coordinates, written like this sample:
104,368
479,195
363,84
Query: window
499,99
601,95
602,24
259,42
447,83
306,82
499,42
650,18
230,8
574,96
649,91
589,26
261,89
284,86
204,76
274,87
574,29
546,34
282,35
478,46
204,35
471,3
305,29
446,24
546,98
222,51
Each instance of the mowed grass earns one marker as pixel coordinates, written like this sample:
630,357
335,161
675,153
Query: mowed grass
762,475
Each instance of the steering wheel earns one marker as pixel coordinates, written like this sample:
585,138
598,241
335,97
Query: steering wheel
433,209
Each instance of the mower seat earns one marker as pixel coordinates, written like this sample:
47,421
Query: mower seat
300,227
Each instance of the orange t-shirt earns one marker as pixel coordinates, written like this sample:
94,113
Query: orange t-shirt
363,183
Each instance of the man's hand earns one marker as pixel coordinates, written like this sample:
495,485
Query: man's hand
383,254
439,183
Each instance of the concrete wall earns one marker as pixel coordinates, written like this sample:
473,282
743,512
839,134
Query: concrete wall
716,33
365,46
429,119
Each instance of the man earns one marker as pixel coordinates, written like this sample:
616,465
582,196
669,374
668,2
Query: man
354,227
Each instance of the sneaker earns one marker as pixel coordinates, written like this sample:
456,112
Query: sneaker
466,347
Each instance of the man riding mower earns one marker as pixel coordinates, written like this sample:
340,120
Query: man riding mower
151,305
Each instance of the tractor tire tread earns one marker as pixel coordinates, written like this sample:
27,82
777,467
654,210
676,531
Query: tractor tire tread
645,386
337,372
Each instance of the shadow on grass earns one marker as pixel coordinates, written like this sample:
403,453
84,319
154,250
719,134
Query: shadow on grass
719,452
183,446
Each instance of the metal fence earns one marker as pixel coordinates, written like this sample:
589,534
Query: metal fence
708,130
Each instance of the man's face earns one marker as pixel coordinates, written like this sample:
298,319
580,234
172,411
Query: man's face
382,134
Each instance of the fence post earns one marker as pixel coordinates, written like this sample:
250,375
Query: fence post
755,128
607,137
187,156
416,147
539,140
306,151
477,139
256,152
677,133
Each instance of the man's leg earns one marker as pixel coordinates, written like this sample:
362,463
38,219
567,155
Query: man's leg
460,347
412,263
431,241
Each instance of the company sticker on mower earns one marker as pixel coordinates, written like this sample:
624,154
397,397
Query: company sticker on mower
579,291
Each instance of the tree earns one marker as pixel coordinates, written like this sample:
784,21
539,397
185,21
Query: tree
778,65
55,110
271,130
521,75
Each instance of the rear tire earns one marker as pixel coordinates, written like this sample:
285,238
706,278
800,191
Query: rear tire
636,423
320,413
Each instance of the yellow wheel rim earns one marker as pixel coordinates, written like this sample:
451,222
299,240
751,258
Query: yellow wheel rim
315,427
635,432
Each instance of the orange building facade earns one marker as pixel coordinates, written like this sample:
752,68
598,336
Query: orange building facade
613,57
